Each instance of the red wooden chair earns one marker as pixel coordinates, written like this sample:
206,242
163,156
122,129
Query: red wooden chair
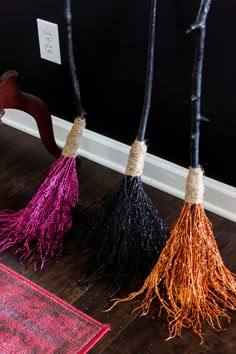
12,97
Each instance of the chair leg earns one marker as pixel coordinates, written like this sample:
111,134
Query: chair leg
12,97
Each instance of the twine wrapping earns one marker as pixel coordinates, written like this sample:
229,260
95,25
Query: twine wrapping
194,186
136,159
73,138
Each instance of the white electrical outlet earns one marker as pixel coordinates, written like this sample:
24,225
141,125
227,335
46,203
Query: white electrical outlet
49,41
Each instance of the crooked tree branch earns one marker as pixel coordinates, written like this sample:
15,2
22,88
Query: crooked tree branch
73,71
200,26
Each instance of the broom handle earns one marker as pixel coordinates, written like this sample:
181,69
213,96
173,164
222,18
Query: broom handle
73,72
200,26
149,73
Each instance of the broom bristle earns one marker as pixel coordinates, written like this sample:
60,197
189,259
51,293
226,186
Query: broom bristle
126,230
190,279
43,222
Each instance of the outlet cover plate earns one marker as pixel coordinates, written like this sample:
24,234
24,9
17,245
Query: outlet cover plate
49,44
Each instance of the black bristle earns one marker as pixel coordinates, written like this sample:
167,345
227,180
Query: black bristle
126,230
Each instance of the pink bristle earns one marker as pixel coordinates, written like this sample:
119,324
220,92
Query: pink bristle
42,224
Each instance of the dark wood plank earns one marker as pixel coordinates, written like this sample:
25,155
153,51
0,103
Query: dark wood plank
148,335
24,163
95,301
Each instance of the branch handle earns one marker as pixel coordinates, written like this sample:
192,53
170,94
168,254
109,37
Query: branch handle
200,27
73,72
149,73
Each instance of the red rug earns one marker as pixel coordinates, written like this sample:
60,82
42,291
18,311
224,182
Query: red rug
32,320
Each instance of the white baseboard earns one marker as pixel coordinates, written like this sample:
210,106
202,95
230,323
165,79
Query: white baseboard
220,198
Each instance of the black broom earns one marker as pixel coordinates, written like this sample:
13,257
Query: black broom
126,229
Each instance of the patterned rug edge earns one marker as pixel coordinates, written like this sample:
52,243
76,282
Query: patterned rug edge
104,328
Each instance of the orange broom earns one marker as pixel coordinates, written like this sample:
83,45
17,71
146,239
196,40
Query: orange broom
190,279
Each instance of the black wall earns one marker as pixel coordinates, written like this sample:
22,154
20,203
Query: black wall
110,48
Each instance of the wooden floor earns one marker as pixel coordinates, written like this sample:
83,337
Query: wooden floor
24,164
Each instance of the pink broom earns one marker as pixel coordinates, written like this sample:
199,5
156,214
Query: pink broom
41,225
